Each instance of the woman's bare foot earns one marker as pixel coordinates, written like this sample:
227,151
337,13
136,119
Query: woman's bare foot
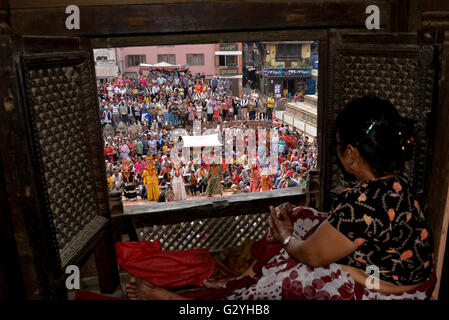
138,289
216,283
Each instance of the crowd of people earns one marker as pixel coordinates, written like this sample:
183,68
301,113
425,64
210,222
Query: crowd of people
177,99
139,163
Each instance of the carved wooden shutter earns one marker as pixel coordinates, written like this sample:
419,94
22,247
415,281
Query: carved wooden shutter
394,67
62,168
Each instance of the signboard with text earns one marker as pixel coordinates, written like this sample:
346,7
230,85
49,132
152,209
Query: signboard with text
229,71
287,72
229,47
105,71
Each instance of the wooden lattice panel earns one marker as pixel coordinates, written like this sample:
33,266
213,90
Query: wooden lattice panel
59,112
215,233
397,74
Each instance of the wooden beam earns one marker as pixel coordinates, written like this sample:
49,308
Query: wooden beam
193,17
208,37
434,5
179,211
30,4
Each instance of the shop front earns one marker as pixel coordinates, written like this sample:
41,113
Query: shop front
284,81
232,75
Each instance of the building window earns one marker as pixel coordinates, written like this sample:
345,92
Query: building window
288,51
135,60
195,59
168,58
227,60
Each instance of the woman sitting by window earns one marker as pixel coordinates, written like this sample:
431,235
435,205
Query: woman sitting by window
374,227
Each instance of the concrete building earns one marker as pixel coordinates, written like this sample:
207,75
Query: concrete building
287,68
199,57
105,63
221,60
229,64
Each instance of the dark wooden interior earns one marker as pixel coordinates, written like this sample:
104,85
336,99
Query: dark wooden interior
33,34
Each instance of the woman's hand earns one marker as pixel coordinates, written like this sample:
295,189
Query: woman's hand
280,223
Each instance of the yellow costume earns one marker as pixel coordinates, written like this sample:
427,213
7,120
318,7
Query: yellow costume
152,183
111,182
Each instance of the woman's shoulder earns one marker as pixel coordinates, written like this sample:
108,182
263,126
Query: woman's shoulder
377,195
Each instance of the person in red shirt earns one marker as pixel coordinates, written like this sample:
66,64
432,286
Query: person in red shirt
236,178
293,142
224,108
109,153
132,148
254,178
294,156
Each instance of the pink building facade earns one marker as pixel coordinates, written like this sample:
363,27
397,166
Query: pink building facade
199,57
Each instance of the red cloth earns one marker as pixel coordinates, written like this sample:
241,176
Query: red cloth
147,260
262,250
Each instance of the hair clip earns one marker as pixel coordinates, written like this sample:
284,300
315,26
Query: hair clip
370,127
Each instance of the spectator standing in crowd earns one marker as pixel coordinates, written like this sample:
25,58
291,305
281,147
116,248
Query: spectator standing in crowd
177,182
270,106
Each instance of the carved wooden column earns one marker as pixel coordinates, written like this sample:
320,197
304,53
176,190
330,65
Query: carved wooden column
11,277
436,24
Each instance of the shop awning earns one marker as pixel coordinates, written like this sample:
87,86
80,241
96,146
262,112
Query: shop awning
163,66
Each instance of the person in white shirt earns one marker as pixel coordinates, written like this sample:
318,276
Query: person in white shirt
118,177
122,91
244,106
107,119
110,94
177,182
115,115
155,90
199,110
116,90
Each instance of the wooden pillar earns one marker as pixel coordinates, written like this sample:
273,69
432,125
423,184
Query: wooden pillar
435,23
437,204
105,258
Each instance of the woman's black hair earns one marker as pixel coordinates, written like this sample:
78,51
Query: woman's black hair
374,126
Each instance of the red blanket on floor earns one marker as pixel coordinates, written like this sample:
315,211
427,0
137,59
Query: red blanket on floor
146,260
176,269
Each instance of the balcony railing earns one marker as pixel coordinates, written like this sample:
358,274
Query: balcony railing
215,223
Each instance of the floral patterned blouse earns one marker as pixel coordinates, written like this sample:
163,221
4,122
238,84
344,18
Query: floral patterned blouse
388,224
